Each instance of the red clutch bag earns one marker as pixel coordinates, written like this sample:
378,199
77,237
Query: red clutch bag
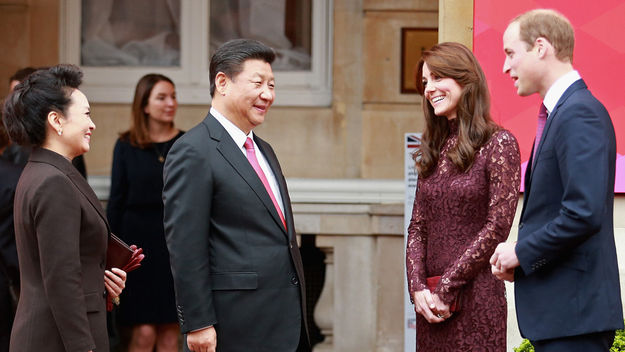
432,282
122,256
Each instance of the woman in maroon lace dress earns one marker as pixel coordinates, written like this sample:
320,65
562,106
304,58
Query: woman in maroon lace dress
464,206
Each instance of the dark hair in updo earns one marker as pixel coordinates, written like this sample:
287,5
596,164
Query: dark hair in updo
26,109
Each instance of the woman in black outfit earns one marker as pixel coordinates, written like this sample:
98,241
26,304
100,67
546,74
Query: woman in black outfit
135,212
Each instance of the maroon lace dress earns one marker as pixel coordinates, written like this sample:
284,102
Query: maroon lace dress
457,221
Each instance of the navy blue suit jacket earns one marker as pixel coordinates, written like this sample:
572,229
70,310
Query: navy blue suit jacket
568,282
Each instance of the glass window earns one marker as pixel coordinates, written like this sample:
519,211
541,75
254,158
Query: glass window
130,33
285,25
118,41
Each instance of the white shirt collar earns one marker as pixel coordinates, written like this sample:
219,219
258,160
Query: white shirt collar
237,135
558,88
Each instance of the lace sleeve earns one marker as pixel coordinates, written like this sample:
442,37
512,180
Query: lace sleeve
416,248
503,170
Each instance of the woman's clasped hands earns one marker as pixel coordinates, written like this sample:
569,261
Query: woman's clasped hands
430,306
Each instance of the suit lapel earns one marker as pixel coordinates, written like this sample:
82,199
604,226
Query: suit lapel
58,161
233,155
579,84
272,160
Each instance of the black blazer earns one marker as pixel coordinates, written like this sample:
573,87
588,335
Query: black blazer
9,272
61,233
9,174
568,282
234,264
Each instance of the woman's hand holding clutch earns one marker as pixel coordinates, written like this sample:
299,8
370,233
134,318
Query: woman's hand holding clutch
114,281
430,307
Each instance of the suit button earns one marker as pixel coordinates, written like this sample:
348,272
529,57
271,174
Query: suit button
102,264
291,245
520,225
104,293
294,280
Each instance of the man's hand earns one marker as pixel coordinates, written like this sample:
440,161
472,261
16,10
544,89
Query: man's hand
507,275
204,340
504,260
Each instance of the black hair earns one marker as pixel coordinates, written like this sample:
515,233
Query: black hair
21,74
230,56
26,109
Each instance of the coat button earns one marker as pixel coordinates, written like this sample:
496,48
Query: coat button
102,264
294,280
520,226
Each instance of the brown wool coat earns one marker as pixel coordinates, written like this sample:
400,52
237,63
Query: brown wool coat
61,233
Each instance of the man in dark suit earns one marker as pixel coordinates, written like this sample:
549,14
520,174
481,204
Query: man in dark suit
237,269
9,271
564,264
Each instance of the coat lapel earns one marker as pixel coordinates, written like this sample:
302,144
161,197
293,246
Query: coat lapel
233,155
58,161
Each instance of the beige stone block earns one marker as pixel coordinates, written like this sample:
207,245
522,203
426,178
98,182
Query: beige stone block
414,5
309,142
305,139
384,126
382,53
113,119
391,277
348,84
456,22
110,120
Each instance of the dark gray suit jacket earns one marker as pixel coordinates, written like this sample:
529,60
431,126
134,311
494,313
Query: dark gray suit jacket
9,272
61,233
568,282
234,264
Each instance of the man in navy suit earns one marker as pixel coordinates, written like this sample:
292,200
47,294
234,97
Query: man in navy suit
238,274
564,264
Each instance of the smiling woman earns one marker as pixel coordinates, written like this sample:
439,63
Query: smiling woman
465,201
442,93
60,228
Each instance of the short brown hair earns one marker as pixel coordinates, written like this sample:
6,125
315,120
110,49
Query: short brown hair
551,25
138,134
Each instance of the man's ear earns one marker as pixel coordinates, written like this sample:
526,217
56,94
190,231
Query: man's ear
55,121
221,83
542,46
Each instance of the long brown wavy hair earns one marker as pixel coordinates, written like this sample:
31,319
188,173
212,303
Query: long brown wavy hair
475,125
138,134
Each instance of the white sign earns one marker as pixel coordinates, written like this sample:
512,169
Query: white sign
412,141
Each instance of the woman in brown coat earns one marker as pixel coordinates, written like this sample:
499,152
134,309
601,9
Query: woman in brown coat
61,230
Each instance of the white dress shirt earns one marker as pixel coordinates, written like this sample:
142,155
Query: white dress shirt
558,88
239,138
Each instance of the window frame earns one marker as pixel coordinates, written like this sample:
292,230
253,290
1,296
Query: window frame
117,84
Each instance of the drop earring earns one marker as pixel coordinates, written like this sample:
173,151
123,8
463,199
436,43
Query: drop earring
60,132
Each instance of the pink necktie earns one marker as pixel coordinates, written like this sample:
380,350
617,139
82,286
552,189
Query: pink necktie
542,119
251,156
